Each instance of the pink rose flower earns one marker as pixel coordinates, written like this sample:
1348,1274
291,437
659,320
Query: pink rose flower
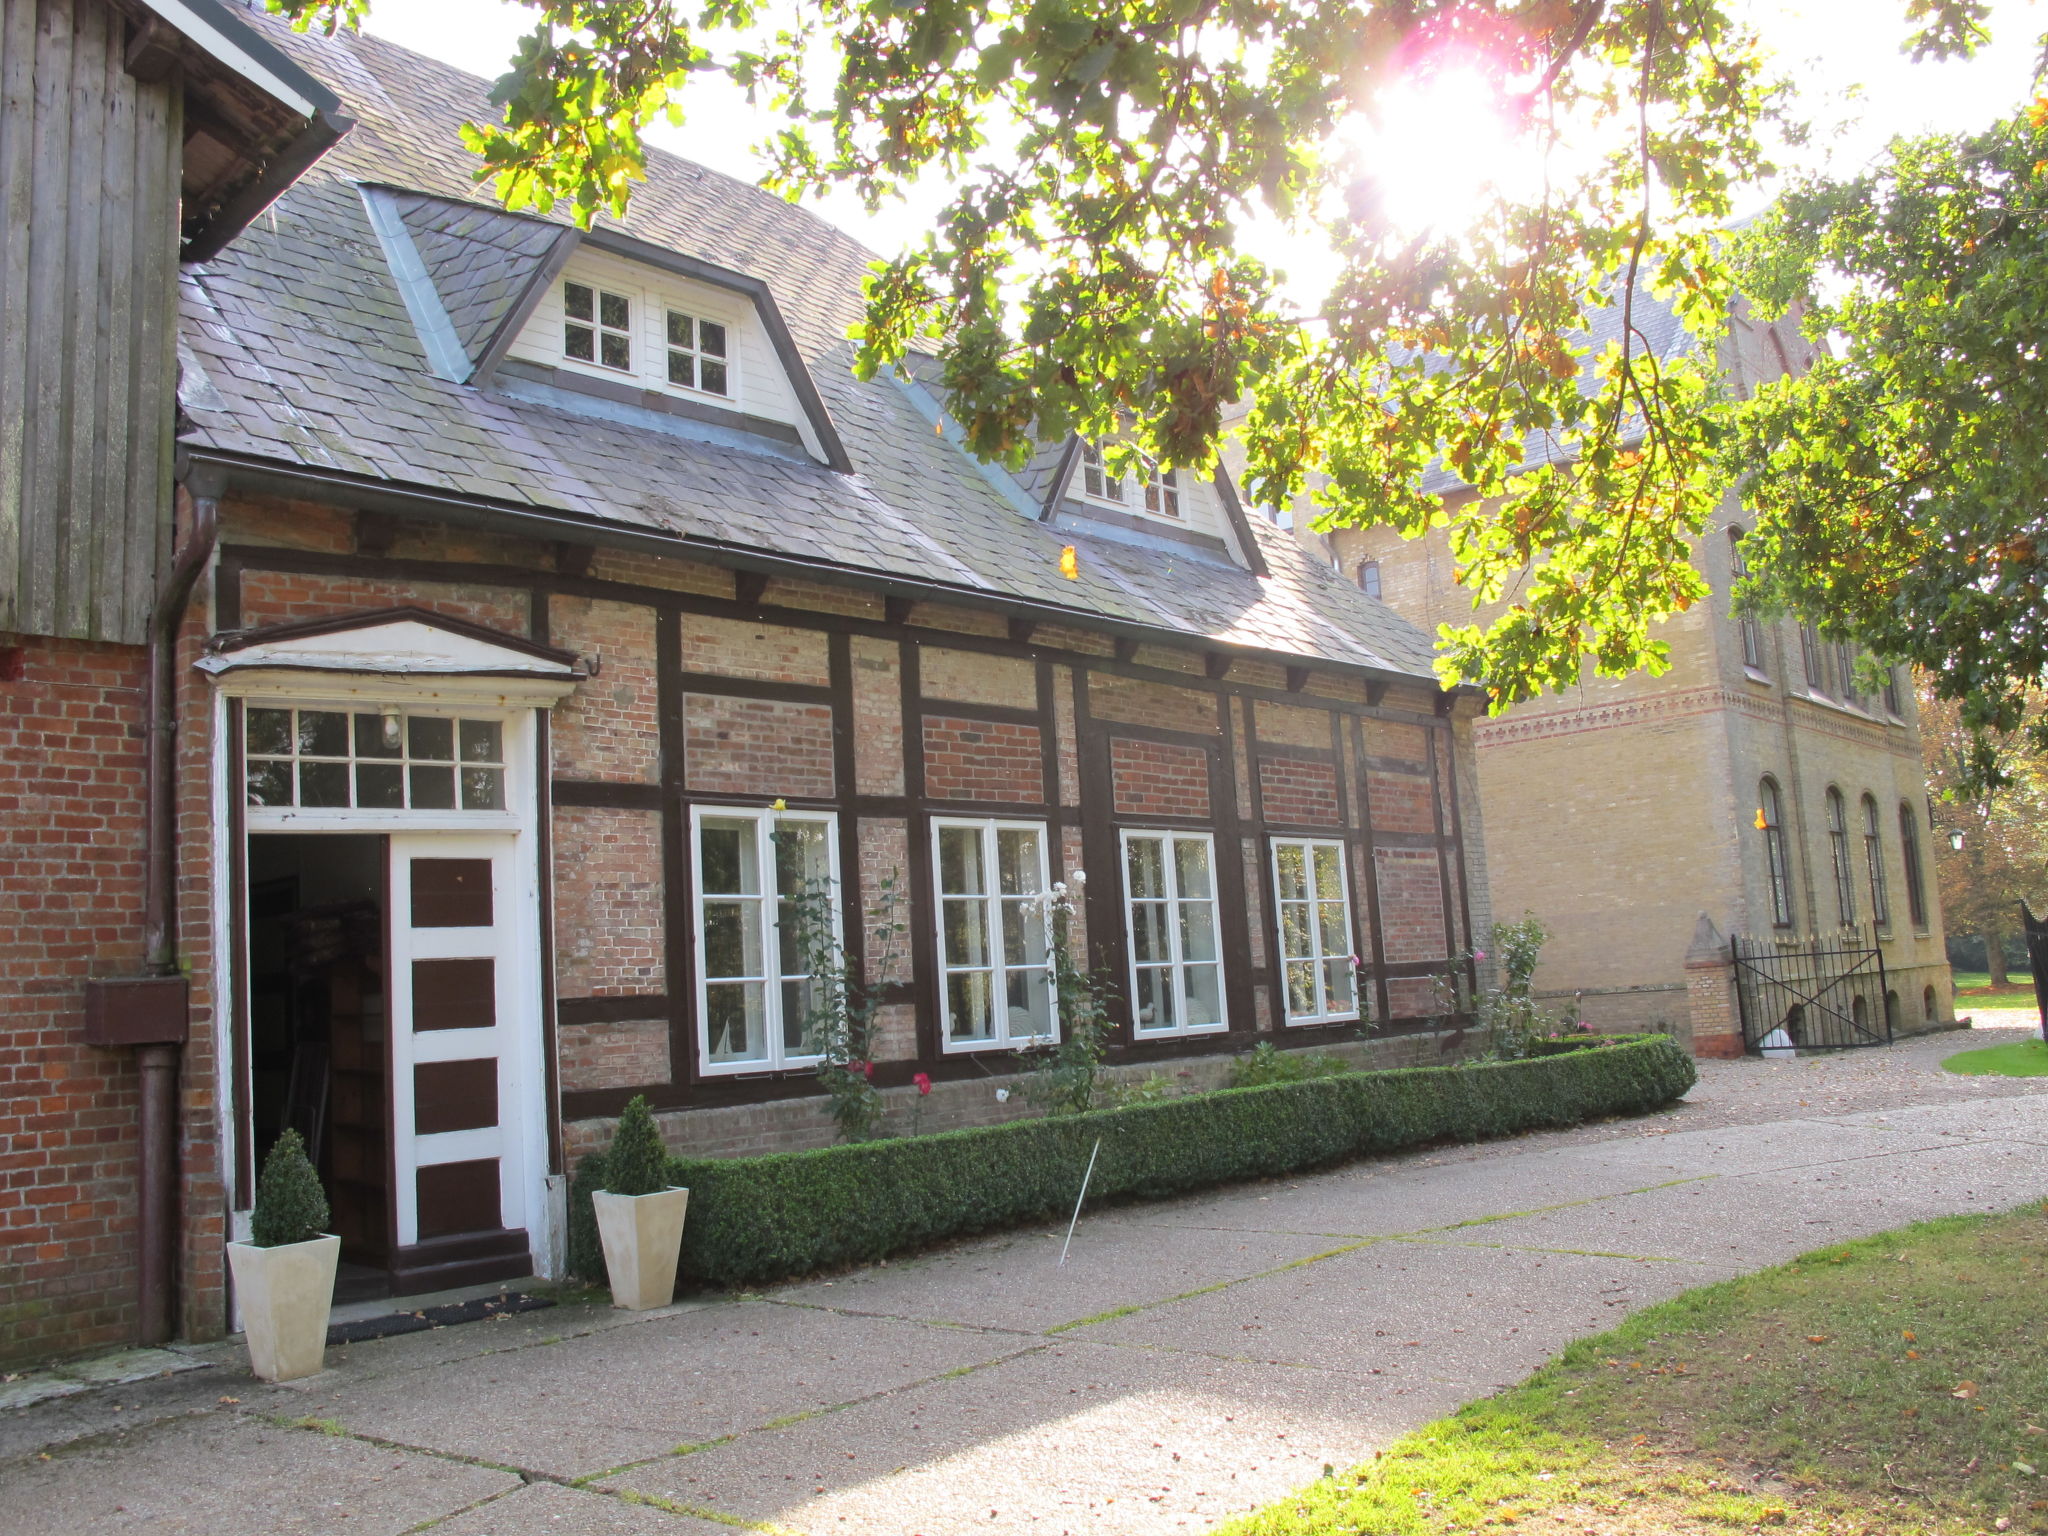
923,1081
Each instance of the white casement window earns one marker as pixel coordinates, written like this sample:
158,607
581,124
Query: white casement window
597,326
1170,921
1314,896
1157,490
697,353
382,760
995,956
753,991
664,342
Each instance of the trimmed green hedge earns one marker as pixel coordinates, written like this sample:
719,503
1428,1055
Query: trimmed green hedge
755,1219
1564,1043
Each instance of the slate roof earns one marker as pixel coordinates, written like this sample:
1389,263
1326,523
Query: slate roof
298,349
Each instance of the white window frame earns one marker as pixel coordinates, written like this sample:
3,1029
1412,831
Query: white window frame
651,301
1130,491
1177,965
1324,1014
766,819
993,899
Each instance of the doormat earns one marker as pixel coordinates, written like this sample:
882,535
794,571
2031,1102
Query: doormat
475,1310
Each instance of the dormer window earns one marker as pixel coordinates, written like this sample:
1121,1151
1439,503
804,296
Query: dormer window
665,336
696,353
1157,490
597,327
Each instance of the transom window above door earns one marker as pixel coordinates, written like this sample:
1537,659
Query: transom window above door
386,760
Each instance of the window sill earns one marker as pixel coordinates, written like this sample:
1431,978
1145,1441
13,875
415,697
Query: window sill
1754,676
1331,1022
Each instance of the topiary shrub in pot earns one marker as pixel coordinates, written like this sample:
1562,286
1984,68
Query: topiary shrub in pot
284,1274
640,1214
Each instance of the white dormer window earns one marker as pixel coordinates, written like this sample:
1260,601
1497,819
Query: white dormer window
597,326
1157,490
696,353
665,336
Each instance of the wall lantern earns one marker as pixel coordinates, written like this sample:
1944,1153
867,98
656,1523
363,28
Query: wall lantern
1955,840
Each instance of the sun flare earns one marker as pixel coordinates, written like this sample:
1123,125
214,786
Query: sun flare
1436,151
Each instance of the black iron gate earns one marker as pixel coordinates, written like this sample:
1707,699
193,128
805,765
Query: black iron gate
1824,993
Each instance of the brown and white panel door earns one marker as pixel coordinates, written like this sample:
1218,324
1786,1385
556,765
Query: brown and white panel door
460,1037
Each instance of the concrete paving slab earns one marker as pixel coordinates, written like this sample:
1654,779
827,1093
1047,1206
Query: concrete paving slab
1409,1313
2009,1119
622,1395
1016,1281
549,1509
1765,1218
235,1473
1074,1437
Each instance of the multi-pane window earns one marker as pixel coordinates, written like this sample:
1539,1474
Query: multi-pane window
1909,855
1873,861
1814,658
1170,910
1369,577
1777,859
760,876
696,353
1314,902
1838,850
334,759
1752,635
1891,692
1845,668
995,961
1158,490
597,326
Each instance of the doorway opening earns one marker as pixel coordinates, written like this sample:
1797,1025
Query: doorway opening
319,1030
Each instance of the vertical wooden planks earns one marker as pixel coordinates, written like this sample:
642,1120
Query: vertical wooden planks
90,162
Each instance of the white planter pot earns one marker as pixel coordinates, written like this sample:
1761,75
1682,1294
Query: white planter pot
285,1294
643,1237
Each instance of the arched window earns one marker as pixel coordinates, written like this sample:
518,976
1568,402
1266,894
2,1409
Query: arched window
1927,1006
1891,1013
1891,692
1369,577
1752,637
1838,851
1776,860
1873,860
1909,854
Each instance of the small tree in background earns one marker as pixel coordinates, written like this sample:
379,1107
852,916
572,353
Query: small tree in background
2004,857
637,1163
291,1207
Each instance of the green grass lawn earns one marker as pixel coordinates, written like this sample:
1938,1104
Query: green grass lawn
1974,990
2016,1058
1893,1385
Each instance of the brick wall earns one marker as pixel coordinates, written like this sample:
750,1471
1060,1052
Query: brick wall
627,1054
1156,778
993,760
1298,791
608,902
607,728
71,891
1411,904
279,597
774,653
757,746
1400,802
1161,705
975,677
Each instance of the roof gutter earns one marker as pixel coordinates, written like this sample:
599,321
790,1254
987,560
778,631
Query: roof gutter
539,522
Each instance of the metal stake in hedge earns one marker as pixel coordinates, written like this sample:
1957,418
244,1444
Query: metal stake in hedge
1077,1202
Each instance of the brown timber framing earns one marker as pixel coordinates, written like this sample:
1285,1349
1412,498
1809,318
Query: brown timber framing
1096,815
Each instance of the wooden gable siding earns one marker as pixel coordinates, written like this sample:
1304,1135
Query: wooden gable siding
89,167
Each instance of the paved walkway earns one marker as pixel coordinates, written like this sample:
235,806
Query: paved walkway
1191,1360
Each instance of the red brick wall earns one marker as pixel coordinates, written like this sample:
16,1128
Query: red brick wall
989,760
606,728
278,597
1161,705
71,893
1157,778
757,746
629,1054
1411,904
1413,997
1400,802
1298,791
608,903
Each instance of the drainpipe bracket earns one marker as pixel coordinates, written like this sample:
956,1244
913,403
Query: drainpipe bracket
137,1010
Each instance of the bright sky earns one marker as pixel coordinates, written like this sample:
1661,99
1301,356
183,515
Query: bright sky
1856,85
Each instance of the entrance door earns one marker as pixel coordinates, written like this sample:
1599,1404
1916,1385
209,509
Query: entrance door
463,1051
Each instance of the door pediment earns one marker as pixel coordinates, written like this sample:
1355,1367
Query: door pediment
397,654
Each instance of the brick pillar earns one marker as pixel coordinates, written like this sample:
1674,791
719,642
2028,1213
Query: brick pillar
1710,993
